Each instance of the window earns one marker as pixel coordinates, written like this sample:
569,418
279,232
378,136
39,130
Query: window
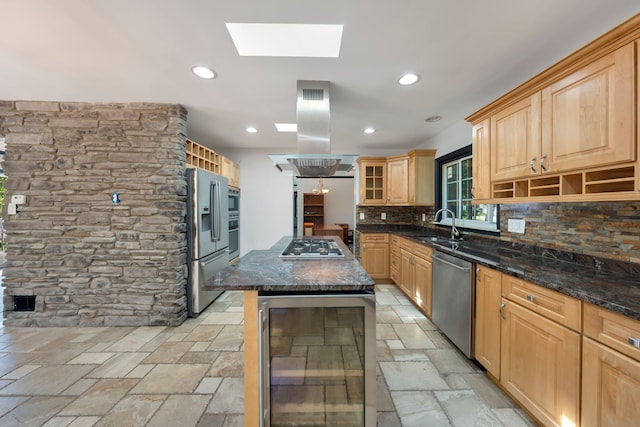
455,171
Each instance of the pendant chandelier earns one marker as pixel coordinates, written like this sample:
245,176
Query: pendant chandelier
320,189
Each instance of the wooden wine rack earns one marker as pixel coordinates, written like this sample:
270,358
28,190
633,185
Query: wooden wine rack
199,156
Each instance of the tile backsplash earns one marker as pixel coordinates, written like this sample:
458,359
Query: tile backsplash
603,229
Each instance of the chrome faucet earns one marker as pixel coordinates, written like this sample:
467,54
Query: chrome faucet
454,231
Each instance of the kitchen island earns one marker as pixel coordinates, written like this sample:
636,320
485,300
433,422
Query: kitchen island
309,337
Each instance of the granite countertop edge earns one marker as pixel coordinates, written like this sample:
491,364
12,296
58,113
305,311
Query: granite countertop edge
264,270
617,292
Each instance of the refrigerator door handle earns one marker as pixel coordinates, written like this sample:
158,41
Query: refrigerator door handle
219,214
212,210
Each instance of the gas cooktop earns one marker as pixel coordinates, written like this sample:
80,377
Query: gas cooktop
312,249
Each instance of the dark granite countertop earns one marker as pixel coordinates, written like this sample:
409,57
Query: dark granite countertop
263,270
610,284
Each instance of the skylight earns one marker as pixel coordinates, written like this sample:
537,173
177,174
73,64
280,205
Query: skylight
286,127
292,40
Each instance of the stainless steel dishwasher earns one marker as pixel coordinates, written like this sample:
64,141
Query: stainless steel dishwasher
453,299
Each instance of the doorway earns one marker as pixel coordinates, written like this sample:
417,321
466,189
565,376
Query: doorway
339,201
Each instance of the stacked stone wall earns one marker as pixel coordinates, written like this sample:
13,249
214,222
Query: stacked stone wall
86,260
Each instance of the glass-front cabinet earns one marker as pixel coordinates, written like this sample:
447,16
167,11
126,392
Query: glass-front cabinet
373,185
317,362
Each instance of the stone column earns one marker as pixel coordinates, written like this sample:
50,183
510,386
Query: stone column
86,260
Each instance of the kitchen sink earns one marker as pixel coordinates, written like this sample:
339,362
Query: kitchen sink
462,248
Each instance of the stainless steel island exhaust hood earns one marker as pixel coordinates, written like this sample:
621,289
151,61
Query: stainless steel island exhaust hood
314,158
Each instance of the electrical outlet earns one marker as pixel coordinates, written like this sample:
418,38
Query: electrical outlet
515,226
361,216
383,216
424,217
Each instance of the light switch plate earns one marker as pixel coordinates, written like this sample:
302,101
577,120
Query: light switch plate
361,216
515,226
18,199
424,217
383,216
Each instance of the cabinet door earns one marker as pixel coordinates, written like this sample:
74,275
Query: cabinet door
540,365
610,387
423,284
375,259
406,273
373,182
588,117
398,181
481,158
515,140
487,332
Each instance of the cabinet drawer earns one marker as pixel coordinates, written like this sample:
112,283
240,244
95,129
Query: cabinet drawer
395,273
406,244
375,237
422,251
395,240
555,306
612,329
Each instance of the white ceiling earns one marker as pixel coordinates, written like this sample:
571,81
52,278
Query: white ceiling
468,52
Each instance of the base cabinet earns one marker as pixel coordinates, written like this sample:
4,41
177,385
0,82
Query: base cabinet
540,365
487,325
406,272
423,272
610,387
374,254
610,369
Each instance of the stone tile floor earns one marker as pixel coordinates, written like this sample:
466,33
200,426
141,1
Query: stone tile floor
191,375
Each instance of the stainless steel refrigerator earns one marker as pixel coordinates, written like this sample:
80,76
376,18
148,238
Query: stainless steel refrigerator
207,235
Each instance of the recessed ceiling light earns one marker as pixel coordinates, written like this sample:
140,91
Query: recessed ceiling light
408,79
203,72
251,129
293,40
286,127
432,119
369,130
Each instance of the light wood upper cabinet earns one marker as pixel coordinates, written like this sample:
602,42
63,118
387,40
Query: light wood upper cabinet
487,325
373,180
515,140
397,180
481,161
540,365
421,177
588,117
231,170
402,180
570,133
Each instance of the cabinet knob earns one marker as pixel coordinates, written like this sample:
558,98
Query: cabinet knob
532,165
531,298
634,342
502,306
542,165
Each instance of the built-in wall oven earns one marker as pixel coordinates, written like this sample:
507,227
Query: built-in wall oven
234,235
234,223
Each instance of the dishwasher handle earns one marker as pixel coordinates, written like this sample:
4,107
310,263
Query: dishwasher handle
437,258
